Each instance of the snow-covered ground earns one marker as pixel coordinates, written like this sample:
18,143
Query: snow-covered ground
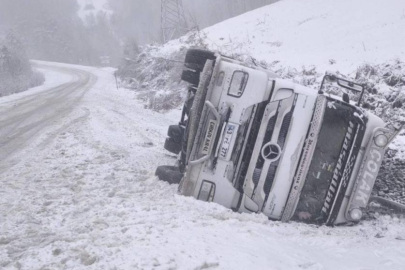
87,199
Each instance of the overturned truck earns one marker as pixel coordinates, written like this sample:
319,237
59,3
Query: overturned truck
256,143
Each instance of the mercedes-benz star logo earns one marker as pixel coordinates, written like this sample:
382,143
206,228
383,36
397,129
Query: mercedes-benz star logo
271,151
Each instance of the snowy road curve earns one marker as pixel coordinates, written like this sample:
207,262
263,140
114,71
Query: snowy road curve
22,119
78,191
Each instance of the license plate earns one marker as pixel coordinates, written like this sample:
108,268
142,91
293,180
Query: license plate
209,137
226,142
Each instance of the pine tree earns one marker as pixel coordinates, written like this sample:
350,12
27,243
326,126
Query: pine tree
16,74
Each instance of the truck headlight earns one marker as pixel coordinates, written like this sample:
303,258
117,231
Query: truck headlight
381,140
356,214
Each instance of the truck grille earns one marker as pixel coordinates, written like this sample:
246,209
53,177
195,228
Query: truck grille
252,137
284,129
272,128
271,173
267,138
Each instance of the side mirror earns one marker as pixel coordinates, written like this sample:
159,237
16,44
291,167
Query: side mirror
356,87
342,83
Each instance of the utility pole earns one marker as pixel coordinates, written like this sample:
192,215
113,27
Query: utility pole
173,22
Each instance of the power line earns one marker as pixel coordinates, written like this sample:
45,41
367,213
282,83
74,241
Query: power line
173,23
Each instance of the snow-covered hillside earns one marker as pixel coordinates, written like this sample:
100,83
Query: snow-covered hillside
299,33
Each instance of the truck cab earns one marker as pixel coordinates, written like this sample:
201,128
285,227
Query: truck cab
256,143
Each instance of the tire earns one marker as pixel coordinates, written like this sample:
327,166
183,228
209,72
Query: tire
172,146
191,76
169,174
196,59
176,133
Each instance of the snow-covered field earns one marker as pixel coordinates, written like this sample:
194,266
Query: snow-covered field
88,199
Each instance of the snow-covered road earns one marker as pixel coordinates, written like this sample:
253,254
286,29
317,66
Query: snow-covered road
23,118
78,192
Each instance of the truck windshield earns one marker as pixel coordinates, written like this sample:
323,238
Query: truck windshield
328,162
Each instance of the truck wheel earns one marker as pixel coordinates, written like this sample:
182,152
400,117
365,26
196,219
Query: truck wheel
169,174
191,76
195,59
176,133
172,146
